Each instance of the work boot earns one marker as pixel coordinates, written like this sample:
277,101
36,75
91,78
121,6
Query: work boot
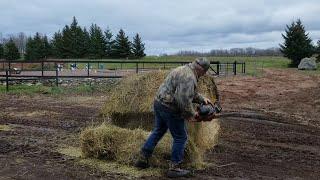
176,171
142,161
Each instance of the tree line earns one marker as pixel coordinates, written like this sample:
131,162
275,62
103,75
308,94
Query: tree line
249,51
74,41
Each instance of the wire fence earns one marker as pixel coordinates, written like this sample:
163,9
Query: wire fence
57,69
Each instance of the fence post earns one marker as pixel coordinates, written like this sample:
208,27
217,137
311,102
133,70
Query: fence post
42,68
57,80
241,68
88,72
235,67
137,68
9,67
244,67
227,69
218,68
7,80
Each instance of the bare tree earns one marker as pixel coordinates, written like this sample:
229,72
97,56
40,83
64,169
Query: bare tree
22,41
1,38
249,51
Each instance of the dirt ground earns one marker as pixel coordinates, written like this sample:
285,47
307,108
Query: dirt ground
270,129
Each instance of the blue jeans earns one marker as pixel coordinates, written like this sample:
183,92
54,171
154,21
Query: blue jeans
166,118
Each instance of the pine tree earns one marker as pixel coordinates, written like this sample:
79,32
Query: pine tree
72,38
57,45
109,42
37,48
297,44
29,49
86,44
122,46
46,47
72,42
97,48
138,47
67,51
11,51
76,40
1,51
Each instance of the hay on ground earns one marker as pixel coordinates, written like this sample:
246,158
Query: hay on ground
108,166
122,145
5,128
119,144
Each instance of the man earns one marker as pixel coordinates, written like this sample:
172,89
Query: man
172,106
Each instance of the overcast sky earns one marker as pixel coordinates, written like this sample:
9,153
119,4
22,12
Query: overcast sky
167,26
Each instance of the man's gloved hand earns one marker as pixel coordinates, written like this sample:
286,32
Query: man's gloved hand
207,112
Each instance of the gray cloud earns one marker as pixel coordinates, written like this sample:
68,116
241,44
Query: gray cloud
169,26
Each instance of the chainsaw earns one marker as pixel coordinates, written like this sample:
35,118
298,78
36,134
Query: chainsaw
207,112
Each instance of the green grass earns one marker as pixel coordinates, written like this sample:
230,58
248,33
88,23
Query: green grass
25,89
254,65
268,61
53,90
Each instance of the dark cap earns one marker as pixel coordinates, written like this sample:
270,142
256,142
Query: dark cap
203,62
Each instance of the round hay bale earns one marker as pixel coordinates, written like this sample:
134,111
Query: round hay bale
130,105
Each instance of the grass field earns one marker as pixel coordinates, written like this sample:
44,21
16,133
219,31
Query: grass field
269,61
254,67
53,90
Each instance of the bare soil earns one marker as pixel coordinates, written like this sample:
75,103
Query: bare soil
270,129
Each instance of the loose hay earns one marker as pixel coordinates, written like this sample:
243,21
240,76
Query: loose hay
108,167
119,144
5,128
122,145
130,108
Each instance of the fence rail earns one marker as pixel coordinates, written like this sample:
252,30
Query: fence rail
56,69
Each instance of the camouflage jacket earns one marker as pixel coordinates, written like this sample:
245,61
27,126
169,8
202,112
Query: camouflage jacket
179,90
